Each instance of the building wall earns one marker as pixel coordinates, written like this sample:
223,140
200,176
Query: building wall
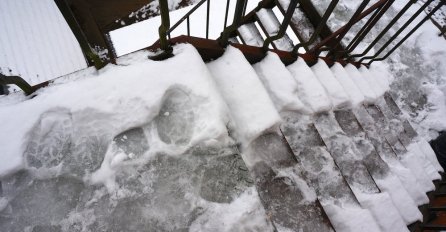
36,42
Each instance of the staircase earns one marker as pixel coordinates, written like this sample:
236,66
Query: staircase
324,141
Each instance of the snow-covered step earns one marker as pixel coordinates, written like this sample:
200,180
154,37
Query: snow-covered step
338,95
250,34
263,148
407,157
357,175
271,24
379,170
355,94
369,94
280,84
311,92
386,152
322,174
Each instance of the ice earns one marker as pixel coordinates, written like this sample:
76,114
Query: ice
378,169
41,202
176,117
321,173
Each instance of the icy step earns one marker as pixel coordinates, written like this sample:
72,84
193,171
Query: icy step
272,26
411,133
379,170
321,173
300,24
406,157
386,152
357,175
250,35
408,137
291,204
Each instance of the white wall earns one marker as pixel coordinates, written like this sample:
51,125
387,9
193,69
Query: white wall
36,42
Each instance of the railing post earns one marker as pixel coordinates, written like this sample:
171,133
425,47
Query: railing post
16,80
165,25
238,14
90,55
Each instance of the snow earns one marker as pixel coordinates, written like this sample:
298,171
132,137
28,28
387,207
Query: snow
279,83
311,92
356,96
373,81
402,201
369,94
383,210
430,154
243,214
250,105
361,219
112,101
338,96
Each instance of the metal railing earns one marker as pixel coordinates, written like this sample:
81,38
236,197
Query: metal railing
331,43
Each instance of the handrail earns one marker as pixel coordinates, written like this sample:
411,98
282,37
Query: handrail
16,80
286,21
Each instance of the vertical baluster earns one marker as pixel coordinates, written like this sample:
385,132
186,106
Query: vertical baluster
440,4
207,18
188,26
226,14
